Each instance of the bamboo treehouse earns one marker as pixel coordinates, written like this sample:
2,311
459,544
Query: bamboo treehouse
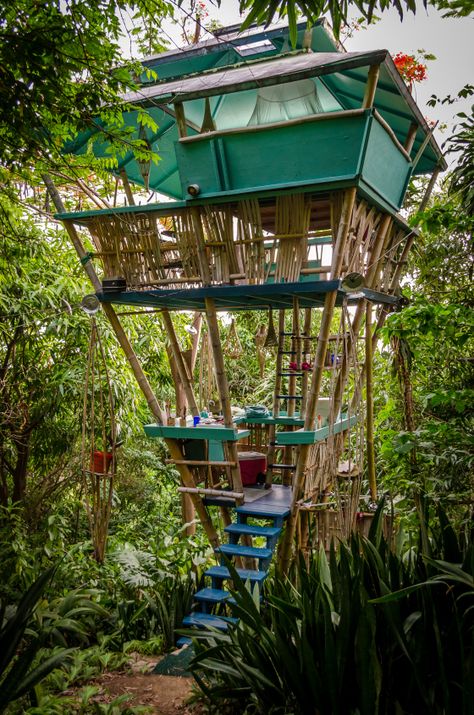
285,171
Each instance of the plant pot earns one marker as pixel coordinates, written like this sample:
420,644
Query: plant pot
101,461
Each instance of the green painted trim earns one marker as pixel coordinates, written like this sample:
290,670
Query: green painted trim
281,420
217,434
313,436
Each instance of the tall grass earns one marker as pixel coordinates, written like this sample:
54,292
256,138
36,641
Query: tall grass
364,631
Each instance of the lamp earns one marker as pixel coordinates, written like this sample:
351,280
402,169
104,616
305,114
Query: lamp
90,304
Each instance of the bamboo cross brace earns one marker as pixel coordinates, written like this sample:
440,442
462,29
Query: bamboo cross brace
173,447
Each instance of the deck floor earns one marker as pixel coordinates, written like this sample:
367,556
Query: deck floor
277,496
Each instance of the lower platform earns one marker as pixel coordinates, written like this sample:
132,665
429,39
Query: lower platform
258,499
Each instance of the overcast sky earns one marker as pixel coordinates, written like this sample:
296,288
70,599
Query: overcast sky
450,40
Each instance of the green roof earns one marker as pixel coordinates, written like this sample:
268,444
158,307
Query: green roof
230,70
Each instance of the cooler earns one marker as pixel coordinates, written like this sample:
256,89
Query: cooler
251,465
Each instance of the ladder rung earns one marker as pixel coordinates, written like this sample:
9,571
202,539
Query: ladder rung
287,352
289,374
288,397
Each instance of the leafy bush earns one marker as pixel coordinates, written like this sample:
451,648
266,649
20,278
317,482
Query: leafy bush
366,631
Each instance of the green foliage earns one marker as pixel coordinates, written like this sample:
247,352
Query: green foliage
59,63
265,11
19,647
366,631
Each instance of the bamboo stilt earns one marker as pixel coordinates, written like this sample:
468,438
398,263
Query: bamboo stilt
370,451
329,304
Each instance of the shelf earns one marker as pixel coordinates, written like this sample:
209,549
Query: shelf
313,436
217,434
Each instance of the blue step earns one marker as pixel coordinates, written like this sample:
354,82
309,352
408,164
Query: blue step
265,512
270,532
277,513
213,595
221,573
206,620
184,640
248,552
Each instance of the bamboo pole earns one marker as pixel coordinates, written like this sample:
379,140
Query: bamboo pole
306,351
411,136
276,401
223,388
174,449
371,86
211,492
179,363
180,119
370,403
311,407
127,188
216,345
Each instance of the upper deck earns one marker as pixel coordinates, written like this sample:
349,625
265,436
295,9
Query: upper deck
250,114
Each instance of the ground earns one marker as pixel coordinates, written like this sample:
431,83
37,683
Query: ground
163,694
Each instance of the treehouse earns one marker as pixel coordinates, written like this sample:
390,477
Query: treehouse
283,171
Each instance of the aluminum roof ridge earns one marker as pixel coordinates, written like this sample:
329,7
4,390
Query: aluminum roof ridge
228,37
168,90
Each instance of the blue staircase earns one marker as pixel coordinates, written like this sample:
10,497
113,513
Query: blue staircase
207,599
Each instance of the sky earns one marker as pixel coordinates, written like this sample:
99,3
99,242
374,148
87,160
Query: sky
450,40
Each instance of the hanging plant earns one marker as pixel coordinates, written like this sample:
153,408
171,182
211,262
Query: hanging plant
233,346
271,338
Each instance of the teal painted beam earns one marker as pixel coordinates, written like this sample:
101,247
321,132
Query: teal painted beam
219,434
313,436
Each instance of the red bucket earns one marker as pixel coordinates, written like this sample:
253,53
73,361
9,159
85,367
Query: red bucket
101,461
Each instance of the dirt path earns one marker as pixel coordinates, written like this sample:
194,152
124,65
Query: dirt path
163,694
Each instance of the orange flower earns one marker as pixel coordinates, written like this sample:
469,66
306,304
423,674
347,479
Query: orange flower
409,68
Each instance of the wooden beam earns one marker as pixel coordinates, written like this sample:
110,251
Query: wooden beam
212,492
